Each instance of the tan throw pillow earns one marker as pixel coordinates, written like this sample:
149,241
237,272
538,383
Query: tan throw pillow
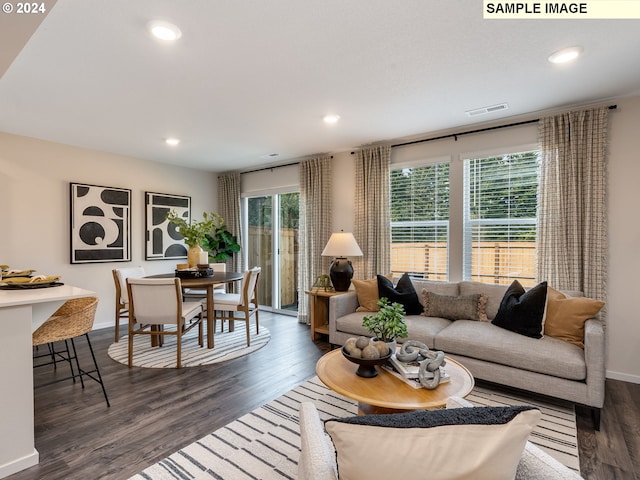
458,307
367,292
481,442
566,316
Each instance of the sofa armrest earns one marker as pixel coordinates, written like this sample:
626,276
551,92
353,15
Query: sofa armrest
317,458
594,357
339,306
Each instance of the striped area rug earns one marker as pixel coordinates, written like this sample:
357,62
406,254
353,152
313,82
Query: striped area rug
265,444
227,346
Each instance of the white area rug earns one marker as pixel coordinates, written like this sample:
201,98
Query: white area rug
265,444
227,346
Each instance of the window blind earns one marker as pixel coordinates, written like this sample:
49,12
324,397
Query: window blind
500,202
420,221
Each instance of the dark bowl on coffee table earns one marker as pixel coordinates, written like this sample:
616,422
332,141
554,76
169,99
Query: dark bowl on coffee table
366,366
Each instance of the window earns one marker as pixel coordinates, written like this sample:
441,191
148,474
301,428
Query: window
420,221
472,219
500,202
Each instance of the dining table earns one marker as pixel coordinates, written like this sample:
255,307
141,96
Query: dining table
208,284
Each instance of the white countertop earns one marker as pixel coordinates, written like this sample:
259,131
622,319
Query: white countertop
12,298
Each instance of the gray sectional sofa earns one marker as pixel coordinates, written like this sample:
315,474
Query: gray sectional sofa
547,366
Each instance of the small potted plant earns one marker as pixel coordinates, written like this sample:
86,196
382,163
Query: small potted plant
209,234
220,243
387,324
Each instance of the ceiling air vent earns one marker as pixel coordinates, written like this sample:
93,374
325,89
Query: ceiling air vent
485,110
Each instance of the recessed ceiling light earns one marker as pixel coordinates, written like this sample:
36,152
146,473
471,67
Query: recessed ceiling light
164,31
565,55
331,119
172,141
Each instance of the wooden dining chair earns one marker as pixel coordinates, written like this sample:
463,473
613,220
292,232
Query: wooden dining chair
227,304
120,276
157,302
72,320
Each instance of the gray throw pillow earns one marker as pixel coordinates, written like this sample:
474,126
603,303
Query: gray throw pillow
459,307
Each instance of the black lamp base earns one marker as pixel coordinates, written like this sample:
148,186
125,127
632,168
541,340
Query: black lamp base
341,273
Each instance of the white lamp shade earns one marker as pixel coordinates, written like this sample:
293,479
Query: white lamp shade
342,244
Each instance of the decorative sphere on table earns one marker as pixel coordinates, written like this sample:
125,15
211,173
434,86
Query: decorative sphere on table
366,358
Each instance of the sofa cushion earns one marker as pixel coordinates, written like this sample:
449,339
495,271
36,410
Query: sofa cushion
494,294
566,316
425,329
367,292
455,307
482,442
352,323
485,341
523,311
402,293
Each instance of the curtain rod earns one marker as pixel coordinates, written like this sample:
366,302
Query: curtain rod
272,167
468,132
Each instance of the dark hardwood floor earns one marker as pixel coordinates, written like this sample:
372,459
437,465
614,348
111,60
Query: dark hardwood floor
155,412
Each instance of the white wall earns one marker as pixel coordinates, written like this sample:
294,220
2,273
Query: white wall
34,211
623,327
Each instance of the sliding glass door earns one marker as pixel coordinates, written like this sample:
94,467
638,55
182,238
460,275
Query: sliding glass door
272,244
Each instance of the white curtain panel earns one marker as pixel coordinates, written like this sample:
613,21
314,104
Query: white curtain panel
229,208
572,230
315,226
372,228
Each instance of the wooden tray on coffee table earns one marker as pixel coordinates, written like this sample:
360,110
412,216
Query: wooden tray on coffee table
385,393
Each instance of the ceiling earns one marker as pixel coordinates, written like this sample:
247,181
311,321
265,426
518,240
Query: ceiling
253,78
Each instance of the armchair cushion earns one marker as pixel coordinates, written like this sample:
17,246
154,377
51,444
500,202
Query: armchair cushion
483,442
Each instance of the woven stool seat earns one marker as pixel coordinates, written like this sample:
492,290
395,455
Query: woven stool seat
73,319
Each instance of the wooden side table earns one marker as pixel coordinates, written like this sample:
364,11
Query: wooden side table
319,311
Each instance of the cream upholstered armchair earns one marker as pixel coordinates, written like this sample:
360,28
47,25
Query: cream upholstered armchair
318,454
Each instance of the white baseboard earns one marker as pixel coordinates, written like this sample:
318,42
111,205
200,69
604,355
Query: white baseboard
15,465
625,377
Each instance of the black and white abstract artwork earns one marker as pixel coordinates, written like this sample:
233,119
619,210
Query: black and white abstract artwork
100,224
162,238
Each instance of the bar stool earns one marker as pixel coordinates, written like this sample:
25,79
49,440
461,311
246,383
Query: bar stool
73,319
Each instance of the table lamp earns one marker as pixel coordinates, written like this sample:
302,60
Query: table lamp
339,246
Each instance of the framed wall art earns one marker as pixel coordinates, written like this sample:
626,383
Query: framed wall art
100,224
163,241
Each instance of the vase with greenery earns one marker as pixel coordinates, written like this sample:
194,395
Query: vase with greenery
210,234
387,324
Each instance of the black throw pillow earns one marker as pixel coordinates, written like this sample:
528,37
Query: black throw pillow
522,311
403,293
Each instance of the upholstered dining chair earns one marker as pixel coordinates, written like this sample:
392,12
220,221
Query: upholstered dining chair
156,302
200,293
120,276
227,304
73,319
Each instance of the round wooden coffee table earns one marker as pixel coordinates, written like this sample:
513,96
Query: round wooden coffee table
385,393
